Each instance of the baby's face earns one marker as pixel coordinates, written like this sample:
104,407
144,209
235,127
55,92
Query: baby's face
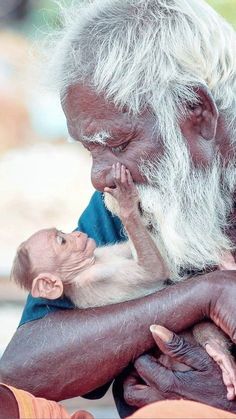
57,252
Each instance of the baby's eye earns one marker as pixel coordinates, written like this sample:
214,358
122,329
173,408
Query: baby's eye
61,240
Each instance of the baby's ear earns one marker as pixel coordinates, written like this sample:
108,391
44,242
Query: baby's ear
47,285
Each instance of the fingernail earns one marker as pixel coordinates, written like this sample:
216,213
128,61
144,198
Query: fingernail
164,334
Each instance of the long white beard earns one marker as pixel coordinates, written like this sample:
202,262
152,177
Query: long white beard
187,208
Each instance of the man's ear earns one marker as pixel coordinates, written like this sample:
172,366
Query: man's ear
47,285
204,116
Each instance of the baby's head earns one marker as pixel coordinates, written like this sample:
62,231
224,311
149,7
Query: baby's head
49,259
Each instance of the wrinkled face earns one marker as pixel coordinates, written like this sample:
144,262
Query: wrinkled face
56,252
184,191
110,135
113,135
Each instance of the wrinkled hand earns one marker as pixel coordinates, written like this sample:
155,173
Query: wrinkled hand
202,383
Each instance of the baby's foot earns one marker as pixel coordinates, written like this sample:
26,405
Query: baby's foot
227,365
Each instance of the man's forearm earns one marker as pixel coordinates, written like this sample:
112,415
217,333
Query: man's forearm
72,352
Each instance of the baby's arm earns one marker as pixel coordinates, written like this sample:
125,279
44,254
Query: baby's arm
148,255
218,345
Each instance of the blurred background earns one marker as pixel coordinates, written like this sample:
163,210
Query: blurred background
44,179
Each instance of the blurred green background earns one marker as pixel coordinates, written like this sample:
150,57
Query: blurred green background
226,8
37,14
49,10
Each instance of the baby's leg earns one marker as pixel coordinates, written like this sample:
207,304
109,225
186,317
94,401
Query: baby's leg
217,345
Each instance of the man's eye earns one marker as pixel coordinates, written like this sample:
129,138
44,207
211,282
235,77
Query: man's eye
120,148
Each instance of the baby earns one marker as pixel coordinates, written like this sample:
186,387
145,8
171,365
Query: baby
51,263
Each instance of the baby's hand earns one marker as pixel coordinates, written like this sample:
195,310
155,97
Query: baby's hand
125,191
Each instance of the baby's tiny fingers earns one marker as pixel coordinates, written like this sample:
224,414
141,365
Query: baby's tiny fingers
129,177
123,175
117,171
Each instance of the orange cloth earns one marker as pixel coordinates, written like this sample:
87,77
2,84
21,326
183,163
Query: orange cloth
31,407
180,409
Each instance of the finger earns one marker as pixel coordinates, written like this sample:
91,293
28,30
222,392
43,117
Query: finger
229,368
123,175
227,365
180,349
230,393
140,395
228,383
131,387
114,170
229,386
154,374
113,173
132,379
129,177
117,172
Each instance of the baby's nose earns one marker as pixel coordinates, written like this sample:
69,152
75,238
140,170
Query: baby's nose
79,234
76,233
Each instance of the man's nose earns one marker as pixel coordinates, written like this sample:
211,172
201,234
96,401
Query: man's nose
102,177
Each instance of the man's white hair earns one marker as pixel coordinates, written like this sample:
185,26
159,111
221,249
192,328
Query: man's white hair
149,53
186,208
155,54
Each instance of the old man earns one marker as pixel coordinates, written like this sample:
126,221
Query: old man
151,84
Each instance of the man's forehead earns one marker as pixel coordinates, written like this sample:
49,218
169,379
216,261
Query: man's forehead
81,100
91,118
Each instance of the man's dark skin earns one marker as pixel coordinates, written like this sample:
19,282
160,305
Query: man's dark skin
9,408
150,381
70,353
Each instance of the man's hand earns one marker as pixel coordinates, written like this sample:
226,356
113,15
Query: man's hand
96,345
202,383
